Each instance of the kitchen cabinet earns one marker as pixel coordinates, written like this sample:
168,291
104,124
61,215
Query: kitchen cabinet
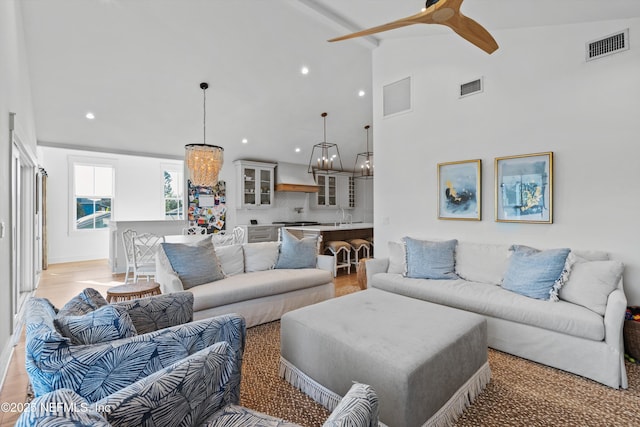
255,184
262,233
334,191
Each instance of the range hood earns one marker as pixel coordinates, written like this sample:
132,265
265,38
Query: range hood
294,177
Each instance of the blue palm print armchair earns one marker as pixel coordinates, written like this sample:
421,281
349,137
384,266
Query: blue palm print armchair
191,392
159,332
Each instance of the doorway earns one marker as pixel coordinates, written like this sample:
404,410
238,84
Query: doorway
24,271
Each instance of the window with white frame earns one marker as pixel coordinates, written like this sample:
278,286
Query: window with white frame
173,190
92,195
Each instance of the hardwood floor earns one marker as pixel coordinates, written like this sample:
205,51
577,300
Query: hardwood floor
59,283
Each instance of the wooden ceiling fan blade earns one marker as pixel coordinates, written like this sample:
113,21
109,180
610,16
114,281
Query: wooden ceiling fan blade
380,28
473,32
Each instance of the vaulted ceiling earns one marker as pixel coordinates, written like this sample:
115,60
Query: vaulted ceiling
137,65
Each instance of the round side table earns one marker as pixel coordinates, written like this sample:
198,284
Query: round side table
133,291
362,273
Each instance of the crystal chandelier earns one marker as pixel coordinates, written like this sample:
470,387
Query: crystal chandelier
363,168
203,161
325,157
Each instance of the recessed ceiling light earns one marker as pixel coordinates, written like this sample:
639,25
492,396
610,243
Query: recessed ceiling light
90,115
297,149
361,93
304,70
245,140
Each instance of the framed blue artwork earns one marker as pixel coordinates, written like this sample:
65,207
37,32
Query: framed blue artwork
459,190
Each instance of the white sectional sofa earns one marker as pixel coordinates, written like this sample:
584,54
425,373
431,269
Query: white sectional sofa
580,333
249,284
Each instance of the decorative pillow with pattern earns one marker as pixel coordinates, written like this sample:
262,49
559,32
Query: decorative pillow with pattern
86,301
105,324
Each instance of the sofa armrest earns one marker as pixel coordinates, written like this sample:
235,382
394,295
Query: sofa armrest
96,371
165,276
160,311
375,266
614,319
325,262
358,408
193,388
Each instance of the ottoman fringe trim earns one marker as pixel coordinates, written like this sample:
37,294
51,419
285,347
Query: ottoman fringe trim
461,399
307,385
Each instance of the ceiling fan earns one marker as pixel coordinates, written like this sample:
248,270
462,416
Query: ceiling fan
444,12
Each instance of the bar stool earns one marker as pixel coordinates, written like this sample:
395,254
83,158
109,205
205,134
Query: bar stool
341,251
358,245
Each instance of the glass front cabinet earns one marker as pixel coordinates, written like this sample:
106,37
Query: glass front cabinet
255,183
333,191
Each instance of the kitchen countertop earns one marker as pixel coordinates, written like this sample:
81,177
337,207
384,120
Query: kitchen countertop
354,226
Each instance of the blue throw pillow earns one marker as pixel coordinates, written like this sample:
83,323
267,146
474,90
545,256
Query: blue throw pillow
532,272
430,260
295,253
194,264
104,324
86,301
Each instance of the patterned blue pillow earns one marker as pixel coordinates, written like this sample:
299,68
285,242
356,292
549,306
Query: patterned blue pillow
107,323
87,300
532,272
430,260
295,253
194,264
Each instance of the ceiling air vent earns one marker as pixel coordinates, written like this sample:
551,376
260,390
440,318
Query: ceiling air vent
471,88
608,45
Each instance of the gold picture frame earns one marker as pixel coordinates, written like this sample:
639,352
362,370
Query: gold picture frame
460,190
524,188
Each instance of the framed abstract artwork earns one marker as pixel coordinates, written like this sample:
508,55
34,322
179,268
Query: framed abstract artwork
459,190
524,188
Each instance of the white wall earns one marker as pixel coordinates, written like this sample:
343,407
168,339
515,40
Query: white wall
15,96
540,95
138,196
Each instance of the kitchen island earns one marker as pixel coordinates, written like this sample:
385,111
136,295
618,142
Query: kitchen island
362,230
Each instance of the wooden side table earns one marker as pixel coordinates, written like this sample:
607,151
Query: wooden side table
133,291
362,273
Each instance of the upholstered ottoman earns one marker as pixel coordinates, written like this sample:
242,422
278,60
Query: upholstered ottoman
427,362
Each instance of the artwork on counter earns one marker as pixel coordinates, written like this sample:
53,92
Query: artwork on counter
459,190
524,188
208,206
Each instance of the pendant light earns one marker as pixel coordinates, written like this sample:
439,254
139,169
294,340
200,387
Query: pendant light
203,161
325,157
363,168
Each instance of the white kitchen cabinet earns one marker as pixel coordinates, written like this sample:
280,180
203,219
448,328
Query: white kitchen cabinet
255,184
262,233
333,192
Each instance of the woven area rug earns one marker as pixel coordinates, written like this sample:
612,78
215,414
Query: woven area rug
521,393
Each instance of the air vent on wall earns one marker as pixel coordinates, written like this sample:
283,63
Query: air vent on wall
471,88
396,97
608,45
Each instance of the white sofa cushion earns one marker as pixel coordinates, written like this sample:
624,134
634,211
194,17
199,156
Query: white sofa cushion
397,258
260,256
494,301
258,284
483,263
231,259
590,283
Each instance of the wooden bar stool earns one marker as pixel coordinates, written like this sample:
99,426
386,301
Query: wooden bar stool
360,245
341,251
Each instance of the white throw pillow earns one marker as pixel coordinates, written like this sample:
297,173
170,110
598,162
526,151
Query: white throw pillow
260,256
483,263
397,258
590,283
231,259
